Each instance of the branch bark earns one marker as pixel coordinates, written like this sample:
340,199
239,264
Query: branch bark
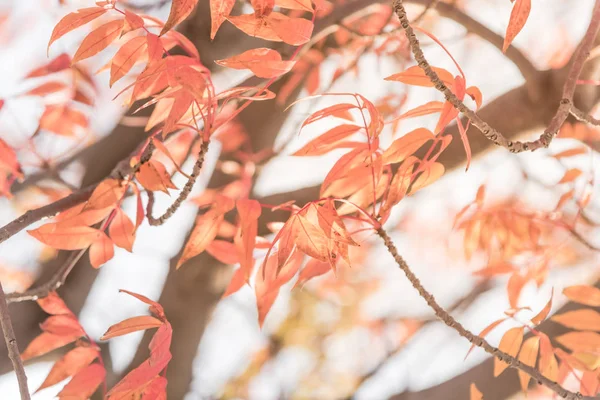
462,331
13,349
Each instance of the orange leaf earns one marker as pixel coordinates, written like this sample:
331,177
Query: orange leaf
263,62
219,11
294,31
406,145
237,281
583,294
180,9
126,57
101,250
155,308
163,149
312,269
485,331
583,320
328,141
475,94
84,383
328,111
518,17
528,356
132,22
248,211
63,325
544,312
304,5
514,287
570,153
74,20
416,76
428,108
66,238
131,325
108,193
98,40
262,8
45,343
203,234
47,88
223,251
547,365
310,239
71,363
510,344
53,304
475,394
122,230
256,27
154,176
580,341
431,174
570,175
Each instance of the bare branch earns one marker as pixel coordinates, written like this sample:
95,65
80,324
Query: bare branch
489,132
478,341
183,195
11,345
584,117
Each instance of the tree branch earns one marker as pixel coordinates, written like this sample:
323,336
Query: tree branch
11,344
470,336
489,132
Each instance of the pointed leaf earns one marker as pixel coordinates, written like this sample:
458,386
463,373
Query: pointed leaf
510,344
74,20
99,39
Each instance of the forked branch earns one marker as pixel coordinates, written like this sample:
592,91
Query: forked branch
476,340
564,108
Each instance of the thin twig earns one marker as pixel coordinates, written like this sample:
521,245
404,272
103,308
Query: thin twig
476,340
489,132
56,281
584,117
183,195
11,345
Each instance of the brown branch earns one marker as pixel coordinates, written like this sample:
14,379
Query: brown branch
11,344
476,340
56,281
183,195
584,117
489,132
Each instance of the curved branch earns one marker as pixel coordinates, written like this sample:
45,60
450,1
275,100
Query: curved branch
584,117
489,132
470,336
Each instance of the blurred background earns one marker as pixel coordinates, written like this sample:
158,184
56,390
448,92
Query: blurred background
365,333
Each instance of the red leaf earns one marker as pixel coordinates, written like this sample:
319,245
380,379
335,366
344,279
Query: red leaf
126,57
204,232
262,8
312,269
71,363
219,11
74,20
53,304
122,230
101,250
223,251
294,31
8,160
131,325
518,17
132,22
256,27
45,343
263,62
180,9
428,108
63,325
84,383
155,308
59,63
98,40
